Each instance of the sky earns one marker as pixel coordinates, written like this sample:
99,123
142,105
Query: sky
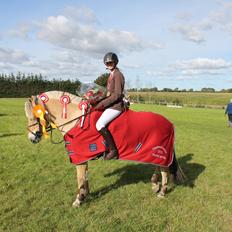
166,44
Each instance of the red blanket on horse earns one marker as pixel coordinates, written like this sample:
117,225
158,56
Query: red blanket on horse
140,136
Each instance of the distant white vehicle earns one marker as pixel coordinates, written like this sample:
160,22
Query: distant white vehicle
174,106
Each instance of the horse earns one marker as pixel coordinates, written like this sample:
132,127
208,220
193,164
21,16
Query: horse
64,111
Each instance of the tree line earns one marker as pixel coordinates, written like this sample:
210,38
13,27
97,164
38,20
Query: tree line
22,85
155,89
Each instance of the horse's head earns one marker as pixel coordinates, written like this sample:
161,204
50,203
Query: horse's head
35,114
53,109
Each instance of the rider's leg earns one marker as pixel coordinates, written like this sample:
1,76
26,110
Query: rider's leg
113,151
107,116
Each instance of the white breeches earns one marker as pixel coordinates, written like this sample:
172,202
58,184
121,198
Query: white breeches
107,116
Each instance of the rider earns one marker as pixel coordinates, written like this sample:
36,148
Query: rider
112,104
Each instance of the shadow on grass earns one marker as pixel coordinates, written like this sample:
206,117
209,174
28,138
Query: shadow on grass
10,134
132,174
12,114
191,170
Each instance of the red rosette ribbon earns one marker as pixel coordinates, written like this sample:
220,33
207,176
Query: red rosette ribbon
43,97
65,100
83,106
89,94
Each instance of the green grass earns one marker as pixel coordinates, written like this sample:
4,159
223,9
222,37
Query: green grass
185,98
37,185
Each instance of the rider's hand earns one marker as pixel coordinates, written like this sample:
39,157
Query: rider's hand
99,106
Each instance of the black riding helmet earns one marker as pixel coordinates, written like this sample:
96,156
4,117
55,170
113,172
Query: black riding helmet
110,57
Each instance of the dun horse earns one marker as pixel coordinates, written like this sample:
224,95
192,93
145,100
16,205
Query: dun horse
64,111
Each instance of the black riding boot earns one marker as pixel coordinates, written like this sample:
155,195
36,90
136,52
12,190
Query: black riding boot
113,152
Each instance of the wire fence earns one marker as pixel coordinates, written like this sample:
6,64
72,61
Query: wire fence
174,105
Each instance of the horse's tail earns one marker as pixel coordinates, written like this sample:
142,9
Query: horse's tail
176,171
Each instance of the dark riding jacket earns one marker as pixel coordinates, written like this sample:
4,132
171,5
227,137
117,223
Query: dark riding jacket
115,89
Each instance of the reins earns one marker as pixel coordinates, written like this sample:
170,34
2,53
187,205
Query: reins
49,128
77,118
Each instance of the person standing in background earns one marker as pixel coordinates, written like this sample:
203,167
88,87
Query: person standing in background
229,113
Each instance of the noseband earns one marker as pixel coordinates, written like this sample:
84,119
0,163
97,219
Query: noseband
43,121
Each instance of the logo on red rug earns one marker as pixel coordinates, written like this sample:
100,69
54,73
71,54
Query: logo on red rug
93,147
159,152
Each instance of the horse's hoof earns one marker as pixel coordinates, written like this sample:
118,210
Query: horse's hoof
161,195
76,203
155,187
162,192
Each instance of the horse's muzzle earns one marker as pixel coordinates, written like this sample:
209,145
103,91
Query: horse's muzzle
35,137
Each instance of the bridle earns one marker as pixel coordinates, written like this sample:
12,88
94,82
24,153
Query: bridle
50,125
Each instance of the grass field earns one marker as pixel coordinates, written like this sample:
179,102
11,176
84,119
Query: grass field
184,98
37,185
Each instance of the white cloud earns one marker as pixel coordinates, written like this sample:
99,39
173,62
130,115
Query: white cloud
194,31
205,25
132,66
203,64
64,32
223,18
5,66
185,16
189,32
193,69
201,67
78,44
193,72
13,56
80,14
222,15
161,74
65,64
20,31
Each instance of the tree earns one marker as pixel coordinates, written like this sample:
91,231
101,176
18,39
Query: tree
210,90
102,79
154,89
167,90
24,86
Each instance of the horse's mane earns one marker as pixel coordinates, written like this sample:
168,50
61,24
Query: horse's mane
58,94
51,95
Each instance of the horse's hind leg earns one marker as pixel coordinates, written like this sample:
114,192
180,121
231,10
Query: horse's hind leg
164,187
82,183
155,180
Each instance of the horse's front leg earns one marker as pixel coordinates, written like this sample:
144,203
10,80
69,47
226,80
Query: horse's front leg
82,184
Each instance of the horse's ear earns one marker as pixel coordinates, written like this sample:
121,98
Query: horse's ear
28,108
32,100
